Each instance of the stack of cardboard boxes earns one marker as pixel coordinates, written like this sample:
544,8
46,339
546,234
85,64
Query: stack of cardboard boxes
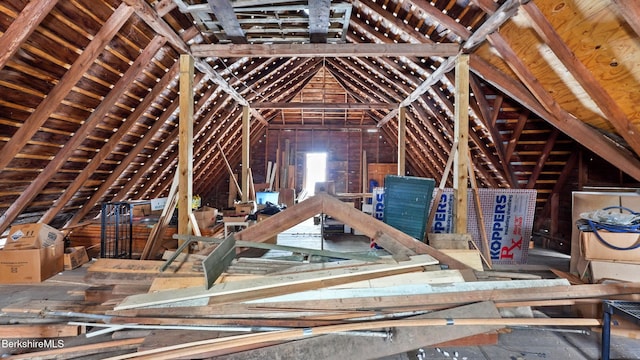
32,253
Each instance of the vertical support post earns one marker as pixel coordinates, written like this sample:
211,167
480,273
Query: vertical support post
461,135
402,143
185,145
245,152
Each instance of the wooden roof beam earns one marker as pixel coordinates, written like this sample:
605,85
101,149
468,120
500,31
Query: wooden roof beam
630,11
40,115
41,181
565,122
324,50
613,113
21,28
151,17
313,105
109,146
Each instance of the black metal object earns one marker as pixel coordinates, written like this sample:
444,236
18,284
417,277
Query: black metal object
630,310
116,232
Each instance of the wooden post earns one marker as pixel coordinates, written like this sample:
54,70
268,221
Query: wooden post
245,152
402,130
185,145
461,135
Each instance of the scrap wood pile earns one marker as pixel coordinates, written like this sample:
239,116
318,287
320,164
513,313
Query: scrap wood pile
363,306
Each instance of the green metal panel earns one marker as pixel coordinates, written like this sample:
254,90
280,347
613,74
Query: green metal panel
406,203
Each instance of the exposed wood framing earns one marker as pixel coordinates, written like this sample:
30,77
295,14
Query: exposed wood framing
20,29
611,110
185,145
227,17
461,135
61,90
328,50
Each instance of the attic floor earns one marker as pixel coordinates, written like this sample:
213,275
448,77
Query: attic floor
515,344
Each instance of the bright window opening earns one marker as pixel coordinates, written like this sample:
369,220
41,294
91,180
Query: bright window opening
316,171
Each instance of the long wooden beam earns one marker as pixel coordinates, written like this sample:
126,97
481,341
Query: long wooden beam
149,15
76,140
630,10
321,106
106,150
327,50
185,144
41,114
605,102
565,122
30,17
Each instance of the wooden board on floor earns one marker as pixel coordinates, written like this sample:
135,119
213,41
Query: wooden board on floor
275,285
28,331
172,283
469,257
358,347
452,298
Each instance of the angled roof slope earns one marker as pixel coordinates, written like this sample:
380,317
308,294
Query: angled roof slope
88,104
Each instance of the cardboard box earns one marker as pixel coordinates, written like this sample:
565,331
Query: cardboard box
32,236
606,270
246,208
594,249
74,257
31,265
206,217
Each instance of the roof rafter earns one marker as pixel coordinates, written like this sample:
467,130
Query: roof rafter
611,110
109,29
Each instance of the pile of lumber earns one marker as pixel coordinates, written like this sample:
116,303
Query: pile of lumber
230,307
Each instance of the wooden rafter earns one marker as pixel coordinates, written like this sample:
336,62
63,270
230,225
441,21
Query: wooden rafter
149,15
65,85
327,50
106,150
611,110
488,119
630,10
548,146
76,140
21,28
513,142
562,120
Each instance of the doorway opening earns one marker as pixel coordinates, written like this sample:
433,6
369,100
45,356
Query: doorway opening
315,171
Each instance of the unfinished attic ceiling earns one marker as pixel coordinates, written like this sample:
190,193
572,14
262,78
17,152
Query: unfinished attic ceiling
89,90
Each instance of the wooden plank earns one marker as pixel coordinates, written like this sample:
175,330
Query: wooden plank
140,267
369,226
80,351
502,295
398,251
294,249
185,145
422,288
164,283
402,141
469,257
246,146
461,136
223,10
38,331
269,286
319,50
219,260
323,106
404,339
